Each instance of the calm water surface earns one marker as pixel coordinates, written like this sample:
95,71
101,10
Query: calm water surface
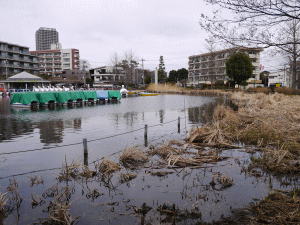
108,129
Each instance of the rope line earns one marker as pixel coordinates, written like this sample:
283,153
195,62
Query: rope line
57,168
78,143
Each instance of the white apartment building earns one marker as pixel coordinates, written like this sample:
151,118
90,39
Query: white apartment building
208,67
84,65
107,75
54,61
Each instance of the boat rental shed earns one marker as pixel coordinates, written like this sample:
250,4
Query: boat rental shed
24,80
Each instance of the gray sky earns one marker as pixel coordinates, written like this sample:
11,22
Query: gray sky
150,28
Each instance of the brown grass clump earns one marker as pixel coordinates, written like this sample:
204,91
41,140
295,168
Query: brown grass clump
278,208
58,209
193,161
107,167
133,155
69,171
4,198
165,150
125,177
279,160
165,88
220,132
87,173
267,121
35,180
169,88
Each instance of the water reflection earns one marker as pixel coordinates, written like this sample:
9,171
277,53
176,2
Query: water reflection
202,114
52,123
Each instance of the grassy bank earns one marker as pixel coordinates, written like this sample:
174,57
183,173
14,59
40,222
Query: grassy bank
168,88
173,89
270,123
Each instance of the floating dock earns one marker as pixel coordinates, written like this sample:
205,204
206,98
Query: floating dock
35,99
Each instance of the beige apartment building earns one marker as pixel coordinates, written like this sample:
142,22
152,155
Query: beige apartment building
56,60
208,67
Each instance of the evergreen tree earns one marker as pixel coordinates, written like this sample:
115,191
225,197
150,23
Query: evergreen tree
239,67
161,70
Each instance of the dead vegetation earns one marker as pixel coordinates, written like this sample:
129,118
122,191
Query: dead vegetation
165,149
270,122
10,201
182,157
36,180
4,198
169,88
221,180
69,171
107,167
280,207
58,208
125,177
133,156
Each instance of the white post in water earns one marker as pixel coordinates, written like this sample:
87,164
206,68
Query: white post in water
156,76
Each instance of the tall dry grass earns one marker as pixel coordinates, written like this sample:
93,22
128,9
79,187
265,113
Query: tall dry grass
268,121
168,88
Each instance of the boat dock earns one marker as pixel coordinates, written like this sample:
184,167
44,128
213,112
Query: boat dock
36,99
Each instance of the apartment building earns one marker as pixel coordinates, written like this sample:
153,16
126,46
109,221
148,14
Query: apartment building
44,37
208,67
56,60
107,75
16,59
84,65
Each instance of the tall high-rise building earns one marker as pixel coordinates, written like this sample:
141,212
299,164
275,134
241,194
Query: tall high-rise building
44,37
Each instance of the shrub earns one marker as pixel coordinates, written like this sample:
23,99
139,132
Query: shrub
203,86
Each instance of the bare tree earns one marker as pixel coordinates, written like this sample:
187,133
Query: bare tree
115,62
255,23
251,21
211,46
290,32
129,64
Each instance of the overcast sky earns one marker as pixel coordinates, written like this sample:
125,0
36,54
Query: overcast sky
150,28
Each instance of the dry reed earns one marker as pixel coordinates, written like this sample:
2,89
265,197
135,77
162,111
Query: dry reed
58,208
169,88
35,180
69,171
267,121
125,177
165,150
107,167
4,198
278,208
133,155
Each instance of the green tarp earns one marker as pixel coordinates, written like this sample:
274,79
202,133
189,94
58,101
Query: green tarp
90,94
75,95
24,98
45,97
114,94
62,96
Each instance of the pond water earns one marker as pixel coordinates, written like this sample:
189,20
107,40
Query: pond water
35,142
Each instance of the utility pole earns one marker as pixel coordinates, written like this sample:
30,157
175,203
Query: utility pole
143,71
